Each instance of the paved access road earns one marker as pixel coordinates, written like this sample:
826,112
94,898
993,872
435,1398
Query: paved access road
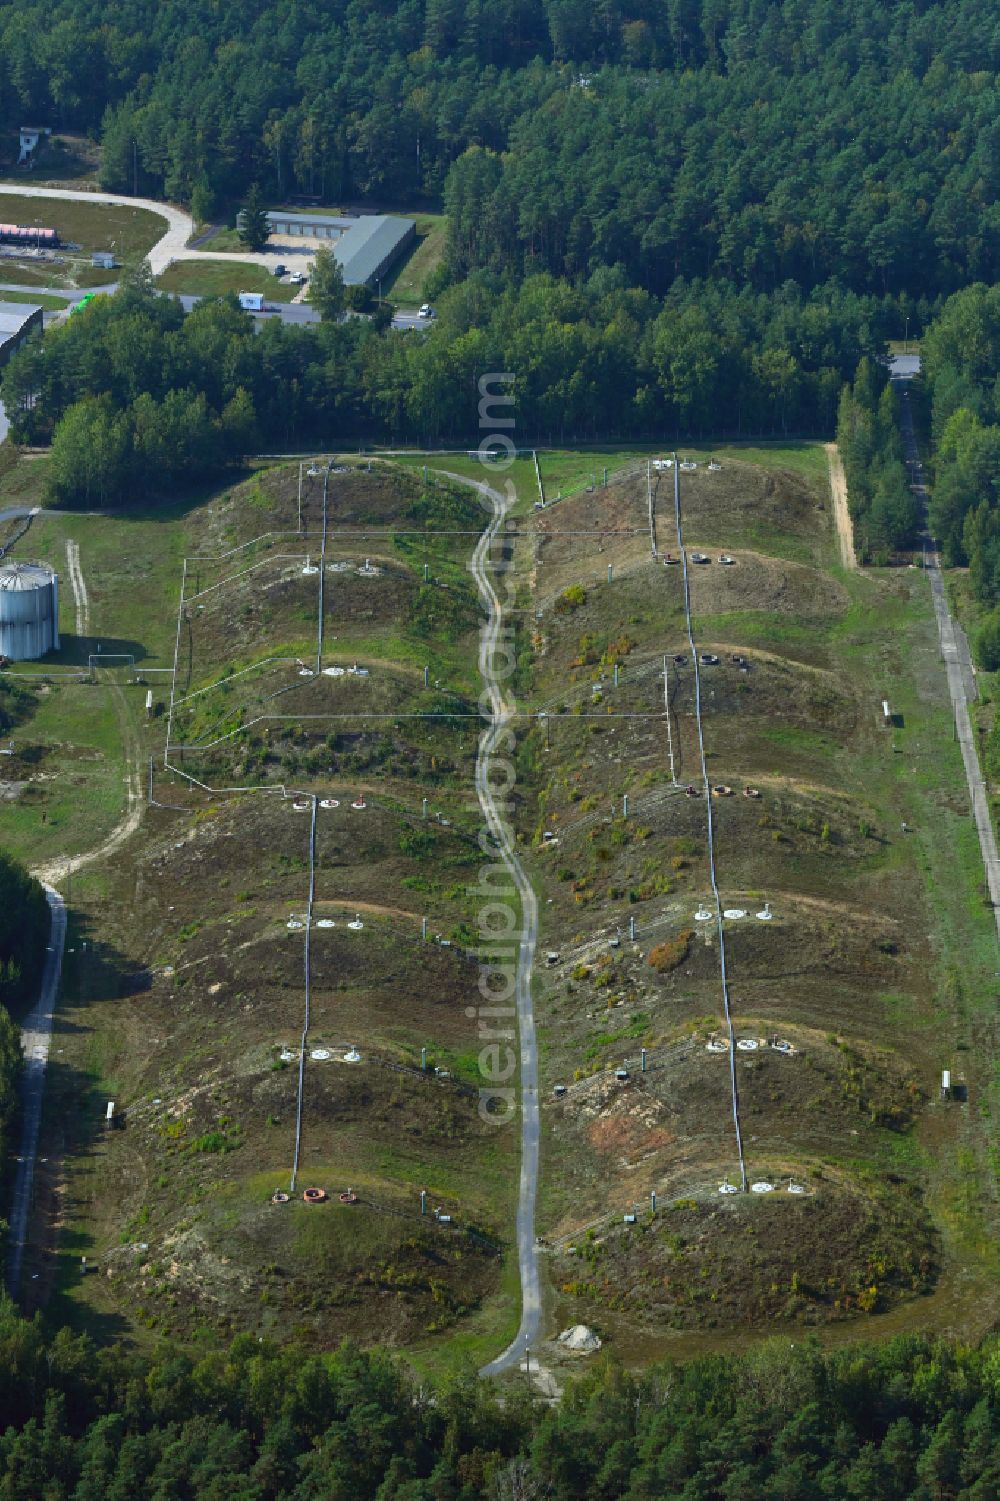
955,651
36,1035
173,246
497,732
410,320
170,247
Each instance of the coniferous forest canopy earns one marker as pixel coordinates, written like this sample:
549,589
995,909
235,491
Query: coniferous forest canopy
667,220
752,141
912,1420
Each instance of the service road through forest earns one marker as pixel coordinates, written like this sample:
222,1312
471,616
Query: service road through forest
37,1030
36,1035
958,667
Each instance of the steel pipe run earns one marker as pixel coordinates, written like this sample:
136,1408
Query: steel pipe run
711,829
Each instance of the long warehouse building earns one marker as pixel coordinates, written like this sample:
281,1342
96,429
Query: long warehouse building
366,246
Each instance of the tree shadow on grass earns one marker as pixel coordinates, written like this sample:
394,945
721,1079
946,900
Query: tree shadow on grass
78,651
63,1247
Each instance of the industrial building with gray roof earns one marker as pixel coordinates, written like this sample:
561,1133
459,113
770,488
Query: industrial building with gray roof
366,246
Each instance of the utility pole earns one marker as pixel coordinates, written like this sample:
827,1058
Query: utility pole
666,708
649,502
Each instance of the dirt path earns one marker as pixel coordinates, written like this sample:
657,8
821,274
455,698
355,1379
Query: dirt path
58,870
80,599
841,515
36,1035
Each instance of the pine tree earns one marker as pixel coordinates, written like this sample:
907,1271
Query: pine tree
326,285
253,223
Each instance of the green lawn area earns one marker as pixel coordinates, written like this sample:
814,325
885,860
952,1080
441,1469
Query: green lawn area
210,278
93,226
41,275
223,239
77,726
521,472
22,477
38,299
72,274
567,470
407,284
131,565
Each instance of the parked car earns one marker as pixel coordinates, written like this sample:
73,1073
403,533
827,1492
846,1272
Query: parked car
296,278
280,270
425,310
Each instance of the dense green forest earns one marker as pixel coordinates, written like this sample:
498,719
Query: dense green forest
911,1420
961,376
885,512
563,135
679,219
135,396
960,367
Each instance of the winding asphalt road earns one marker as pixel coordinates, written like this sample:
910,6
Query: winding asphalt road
36,1034
497,731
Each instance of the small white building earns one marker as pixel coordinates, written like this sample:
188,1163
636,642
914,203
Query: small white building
30,136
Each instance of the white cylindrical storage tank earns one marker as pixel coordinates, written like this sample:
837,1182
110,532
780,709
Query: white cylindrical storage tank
29,611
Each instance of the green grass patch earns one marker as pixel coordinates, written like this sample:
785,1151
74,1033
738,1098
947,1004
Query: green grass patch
765,627
569,470
83,794
40,274
407,284
131,567
22,481
93,226
36,299
521,473
209,278
479,1338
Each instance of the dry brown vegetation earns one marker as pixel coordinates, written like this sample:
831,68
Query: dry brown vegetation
788,713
